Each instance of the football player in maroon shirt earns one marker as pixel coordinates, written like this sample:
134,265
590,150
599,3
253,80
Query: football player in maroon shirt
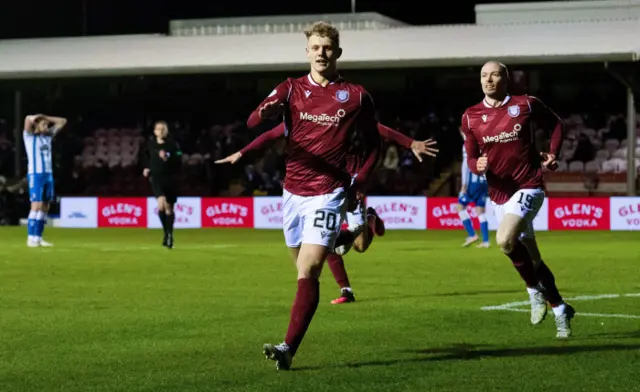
500,145
321,113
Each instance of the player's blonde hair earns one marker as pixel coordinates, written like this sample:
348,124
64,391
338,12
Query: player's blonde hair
324,29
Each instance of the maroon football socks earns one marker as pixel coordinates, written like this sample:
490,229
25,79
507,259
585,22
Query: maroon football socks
548,281
522,262
336,264
304,307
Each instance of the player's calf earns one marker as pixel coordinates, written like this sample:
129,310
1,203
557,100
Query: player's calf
466,223
336,264
508,240
309,264
32,241
484,227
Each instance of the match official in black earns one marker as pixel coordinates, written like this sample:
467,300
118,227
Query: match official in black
163,165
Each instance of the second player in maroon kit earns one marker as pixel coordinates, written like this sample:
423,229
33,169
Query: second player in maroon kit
321,113
504,136
499,142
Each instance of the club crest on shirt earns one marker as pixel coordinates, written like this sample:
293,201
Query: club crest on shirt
342,95
514,110
484,117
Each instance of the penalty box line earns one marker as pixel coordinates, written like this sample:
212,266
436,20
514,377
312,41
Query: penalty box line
514,306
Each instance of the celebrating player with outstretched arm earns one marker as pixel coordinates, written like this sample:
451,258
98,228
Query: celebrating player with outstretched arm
499,144
39,131
363,223
321,113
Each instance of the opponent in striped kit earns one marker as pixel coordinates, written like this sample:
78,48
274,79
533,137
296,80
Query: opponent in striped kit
474,190
38,134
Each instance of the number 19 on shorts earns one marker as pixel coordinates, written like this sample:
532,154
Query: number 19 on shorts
525,200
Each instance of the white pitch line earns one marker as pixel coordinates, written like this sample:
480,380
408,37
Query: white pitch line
510,305
592,297
625,316
513,306
505,306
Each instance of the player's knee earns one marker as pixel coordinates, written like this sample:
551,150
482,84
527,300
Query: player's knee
360,243
309,269
459,207
310,260
359,247
505,241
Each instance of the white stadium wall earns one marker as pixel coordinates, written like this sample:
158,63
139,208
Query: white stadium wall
424,46
398,212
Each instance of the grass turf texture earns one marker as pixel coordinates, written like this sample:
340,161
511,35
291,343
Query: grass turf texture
112,310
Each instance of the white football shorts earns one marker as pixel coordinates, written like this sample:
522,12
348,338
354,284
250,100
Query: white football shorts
313,219
525,203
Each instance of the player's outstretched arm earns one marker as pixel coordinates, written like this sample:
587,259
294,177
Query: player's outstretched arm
368,125
255,144
418,148
233,158
477,164
272,106
549,121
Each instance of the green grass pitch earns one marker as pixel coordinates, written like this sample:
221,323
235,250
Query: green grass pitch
111,310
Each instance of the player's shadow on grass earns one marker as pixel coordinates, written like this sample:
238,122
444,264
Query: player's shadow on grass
465,352
615,335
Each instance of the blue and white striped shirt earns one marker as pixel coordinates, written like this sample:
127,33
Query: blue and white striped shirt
39,151
468,178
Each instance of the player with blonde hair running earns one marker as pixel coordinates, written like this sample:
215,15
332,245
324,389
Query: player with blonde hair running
321,113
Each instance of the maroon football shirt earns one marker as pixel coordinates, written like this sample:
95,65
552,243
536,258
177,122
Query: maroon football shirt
319,124
353,161
505,135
